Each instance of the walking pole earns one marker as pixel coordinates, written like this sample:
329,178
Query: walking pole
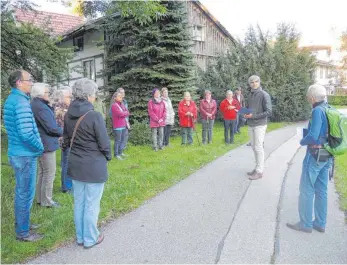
196,133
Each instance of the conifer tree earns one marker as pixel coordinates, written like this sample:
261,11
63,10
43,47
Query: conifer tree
141,57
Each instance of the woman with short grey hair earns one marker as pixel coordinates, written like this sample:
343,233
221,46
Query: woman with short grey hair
62,100
90,149
50,131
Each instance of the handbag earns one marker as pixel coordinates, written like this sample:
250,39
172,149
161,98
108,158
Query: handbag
76,127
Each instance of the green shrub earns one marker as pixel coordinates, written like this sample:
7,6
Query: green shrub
337,100
140,133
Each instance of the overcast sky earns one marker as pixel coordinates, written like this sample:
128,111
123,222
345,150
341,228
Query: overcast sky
319,21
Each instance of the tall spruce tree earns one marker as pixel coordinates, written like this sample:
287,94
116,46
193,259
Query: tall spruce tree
141,57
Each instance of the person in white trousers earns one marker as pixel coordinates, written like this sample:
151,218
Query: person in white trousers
259,102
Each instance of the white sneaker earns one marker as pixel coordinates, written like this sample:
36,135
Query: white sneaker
119,158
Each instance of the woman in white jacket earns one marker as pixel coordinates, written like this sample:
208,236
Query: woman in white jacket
170,115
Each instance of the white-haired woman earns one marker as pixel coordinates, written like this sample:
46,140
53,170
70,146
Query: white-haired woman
50,131
314,176
61,104
87,167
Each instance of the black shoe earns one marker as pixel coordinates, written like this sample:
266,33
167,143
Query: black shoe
298,227
33,237
249,144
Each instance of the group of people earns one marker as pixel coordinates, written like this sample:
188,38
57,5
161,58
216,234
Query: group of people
162,117
38,125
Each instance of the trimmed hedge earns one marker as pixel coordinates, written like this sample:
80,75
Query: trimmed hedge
337,100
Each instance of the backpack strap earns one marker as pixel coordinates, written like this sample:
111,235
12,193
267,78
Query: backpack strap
76,127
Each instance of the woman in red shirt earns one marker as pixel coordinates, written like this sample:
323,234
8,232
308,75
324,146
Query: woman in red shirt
187,113
229,108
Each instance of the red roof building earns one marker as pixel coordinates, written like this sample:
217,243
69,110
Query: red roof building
55,23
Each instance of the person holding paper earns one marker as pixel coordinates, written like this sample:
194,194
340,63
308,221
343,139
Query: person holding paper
260,104
229,108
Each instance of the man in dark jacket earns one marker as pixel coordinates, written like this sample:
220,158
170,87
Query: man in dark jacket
260,103
90,150
24,146
50,131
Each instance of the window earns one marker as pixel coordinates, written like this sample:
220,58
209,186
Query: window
321,72
89,69
78,43
198,33
327,72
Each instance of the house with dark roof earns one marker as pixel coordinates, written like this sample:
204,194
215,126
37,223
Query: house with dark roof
209,37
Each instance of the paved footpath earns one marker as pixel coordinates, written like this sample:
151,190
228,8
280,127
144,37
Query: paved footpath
217,215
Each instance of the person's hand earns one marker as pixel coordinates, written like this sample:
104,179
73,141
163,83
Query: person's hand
188,113
209,115
233,107
160,120
248,116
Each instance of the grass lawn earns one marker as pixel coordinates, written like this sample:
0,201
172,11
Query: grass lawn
341,180
141,176
339,106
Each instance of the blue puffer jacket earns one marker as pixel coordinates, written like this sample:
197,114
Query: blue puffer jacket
23,135
47,124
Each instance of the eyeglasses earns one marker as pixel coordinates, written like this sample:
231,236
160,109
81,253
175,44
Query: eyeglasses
28,80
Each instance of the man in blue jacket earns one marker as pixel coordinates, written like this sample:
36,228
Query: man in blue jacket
315,170
24,146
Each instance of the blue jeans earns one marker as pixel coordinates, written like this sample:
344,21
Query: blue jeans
119,141
87,198
25,168
313,186
66,181
187,133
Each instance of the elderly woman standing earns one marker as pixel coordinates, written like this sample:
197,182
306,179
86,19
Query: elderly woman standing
170,115
85,133
187,113
229,108
157,116
119,115
208,110
62,102
50,132
314,176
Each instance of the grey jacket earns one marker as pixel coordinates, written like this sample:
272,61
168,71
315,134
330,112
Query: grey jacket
259,102
170,113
